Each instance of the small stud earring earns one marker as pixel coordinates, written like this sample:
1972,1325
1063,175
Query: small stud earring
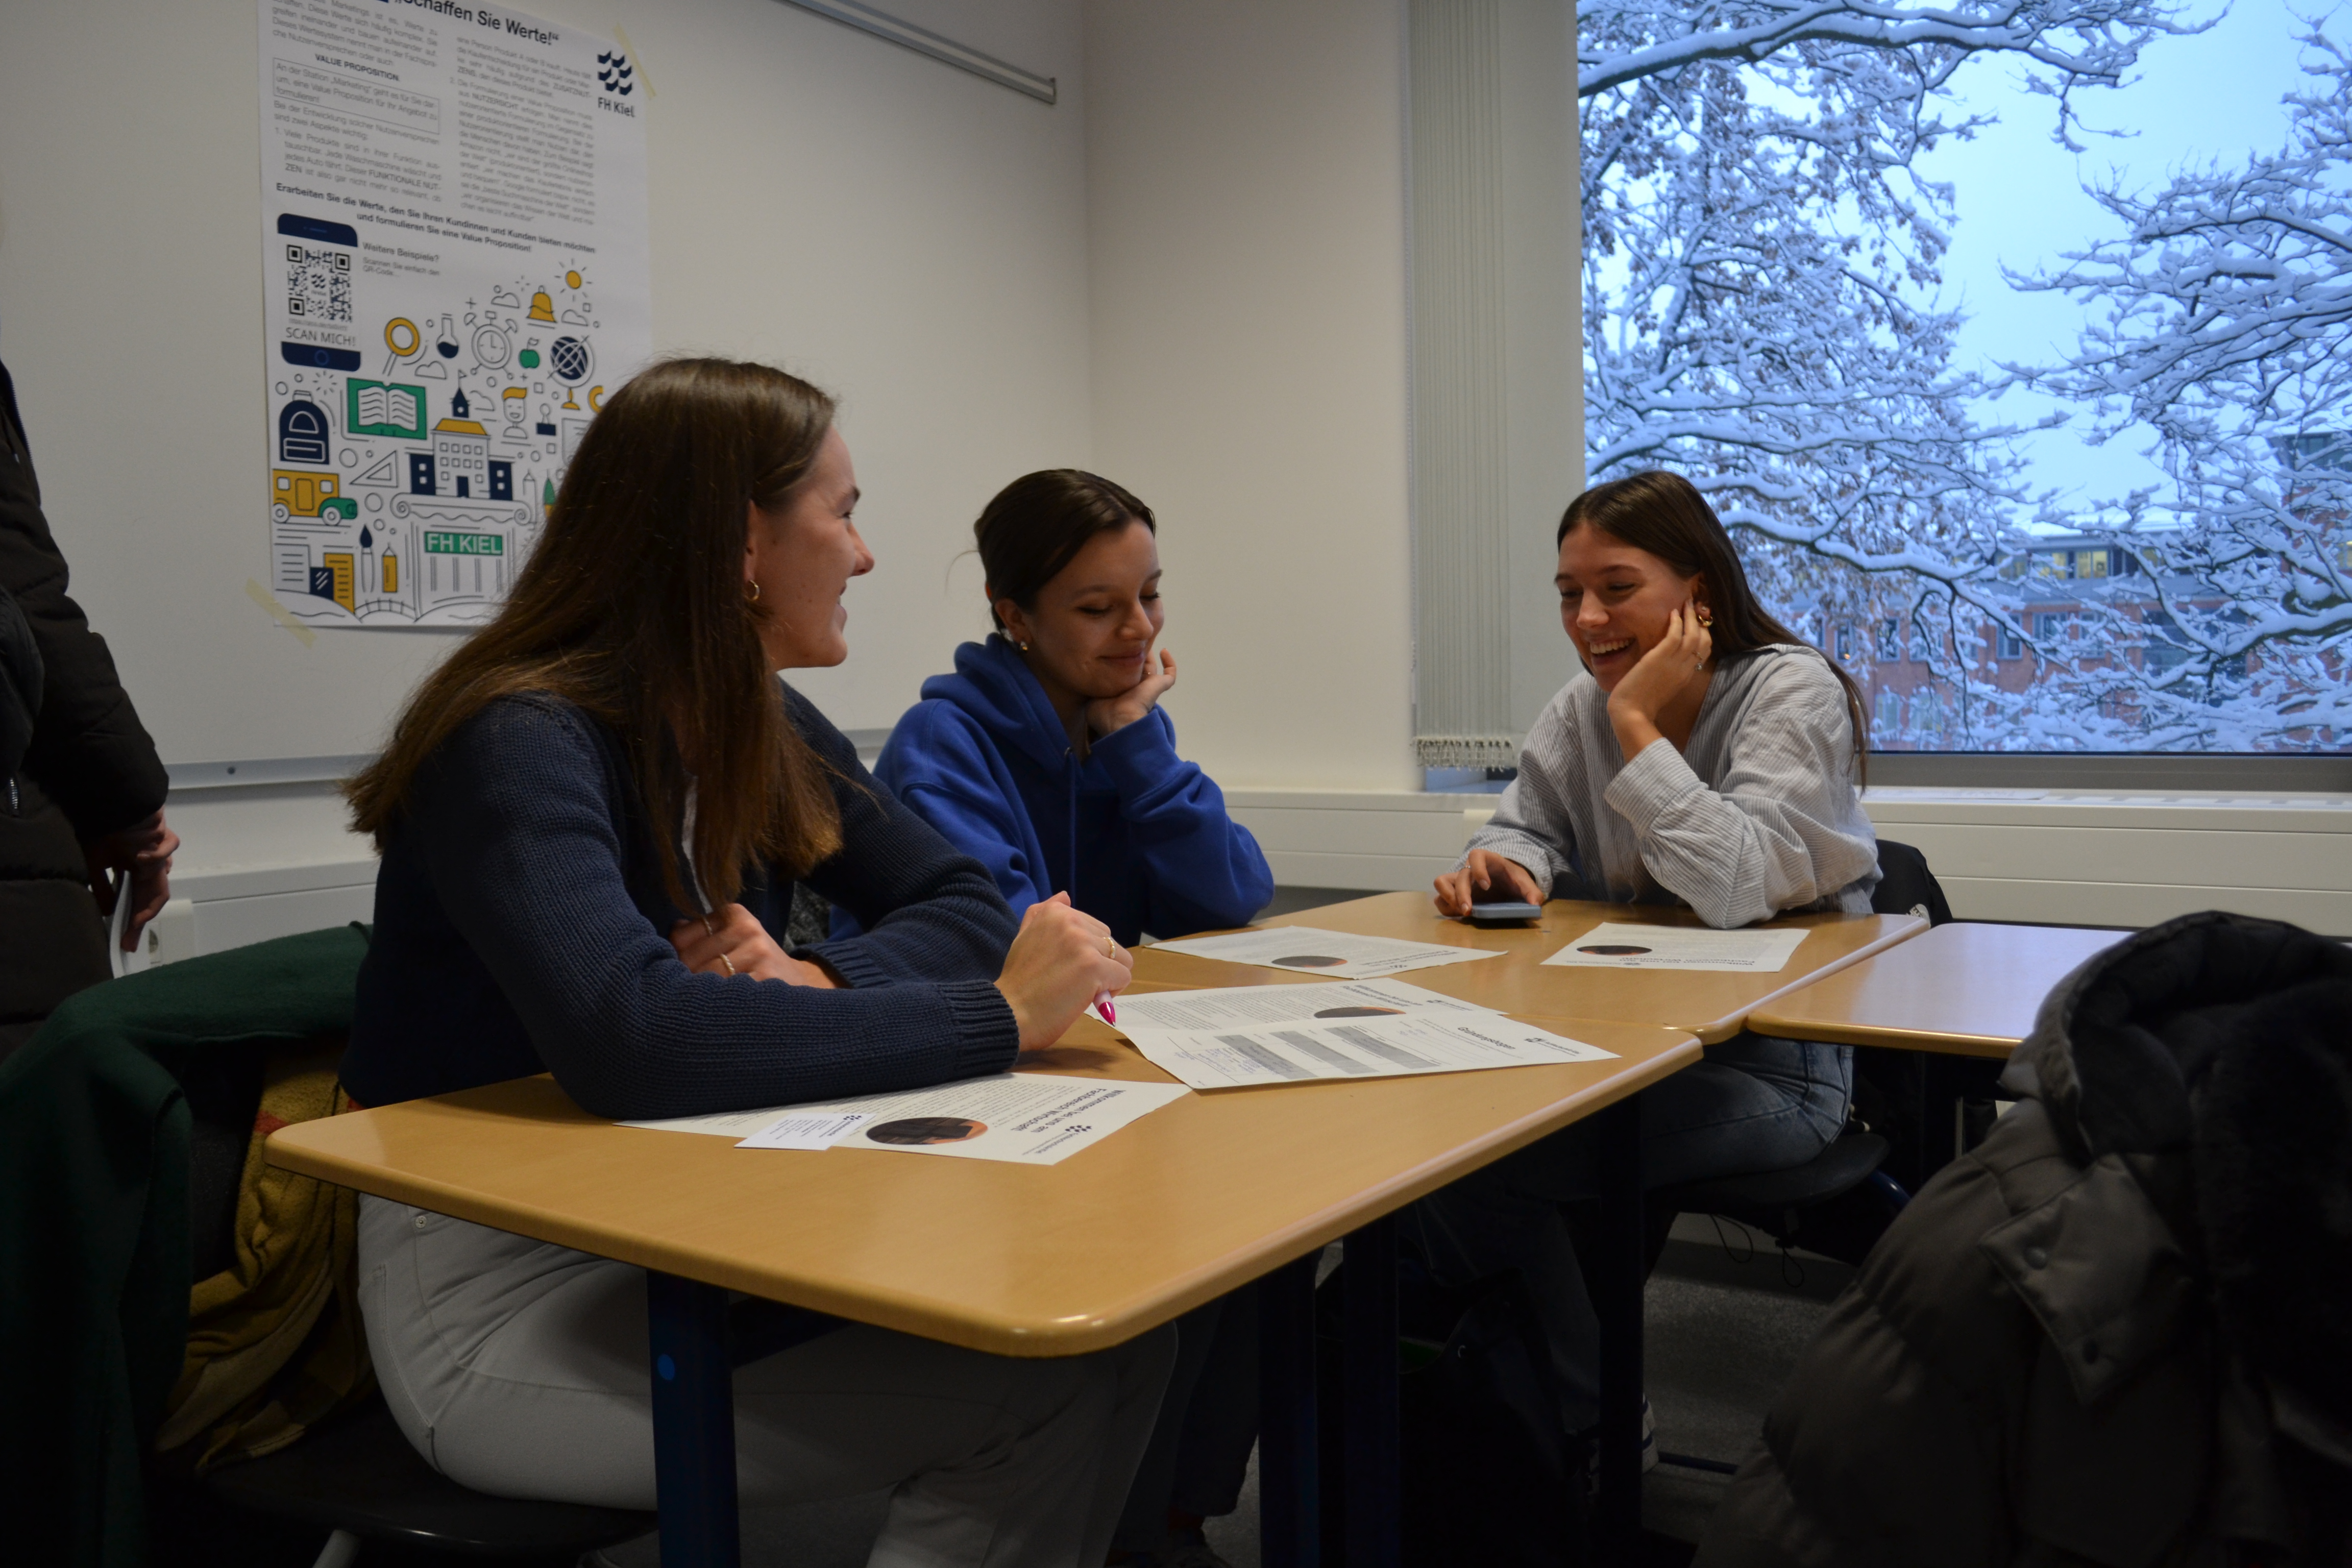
1022,646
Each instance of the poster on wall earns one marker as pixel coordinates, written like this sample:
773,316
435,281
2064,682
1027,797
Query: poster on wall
454,262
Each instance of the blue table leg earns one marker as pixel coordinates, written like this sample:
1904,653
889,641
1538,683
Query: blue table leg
1617,1268
694,1423
1371,1368
1289,1504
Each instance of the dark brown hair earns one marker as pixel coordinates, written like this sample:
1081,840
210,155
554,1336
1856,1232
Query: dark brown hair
1037,524
633,608
1665,514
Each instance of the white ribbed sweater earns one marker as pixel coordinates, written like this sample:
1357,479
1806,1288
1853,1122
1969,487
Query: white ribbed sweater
1757,815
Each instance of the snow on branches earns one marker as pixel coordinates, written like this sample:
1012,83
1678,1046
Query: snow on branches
2221,322
1762,278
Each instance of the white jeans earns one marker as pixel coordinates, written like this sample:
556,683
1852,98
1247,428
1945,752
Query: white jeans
519,1368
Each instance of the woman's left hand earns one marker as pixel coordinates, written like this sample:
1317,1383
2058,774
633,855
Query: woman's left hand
732,940
1664,674
1106,714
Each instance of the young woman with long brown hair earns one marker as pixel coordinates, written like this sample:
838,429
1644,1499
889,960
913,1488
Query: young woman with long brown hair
591,818
1703,756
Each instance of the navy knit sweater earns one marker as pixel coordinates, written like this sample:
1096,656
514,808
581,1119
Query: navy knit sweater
521,926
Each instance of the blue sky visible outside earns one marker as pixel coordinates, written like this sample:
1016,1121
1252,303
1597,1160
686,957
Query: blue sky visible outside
2018,199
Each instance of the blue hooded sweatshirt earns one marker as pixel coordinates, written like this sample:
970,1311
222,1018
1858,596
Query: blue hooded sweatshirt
1137,836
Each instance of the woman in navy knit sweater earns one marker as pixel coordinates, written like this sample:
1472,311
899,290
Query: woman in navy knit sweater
591,818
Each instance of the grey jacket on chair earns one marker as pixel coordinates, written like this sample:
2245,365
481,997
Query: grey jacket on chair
2120,1331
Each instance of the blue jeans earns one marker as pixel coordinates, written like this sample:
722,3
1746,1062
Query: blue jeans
1755,1103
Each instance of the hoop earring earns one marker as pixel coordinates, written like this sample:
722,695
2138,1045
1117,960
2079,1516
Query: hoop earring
752,591
1706,617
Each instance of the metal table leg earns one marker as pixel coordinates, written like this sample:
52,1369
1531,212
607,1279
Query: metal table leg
694,1423
1617,1268
1289,1502
1940,1085
1369,1358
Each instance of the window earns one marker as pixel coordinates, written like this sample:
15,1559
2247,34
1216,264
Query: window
2149,542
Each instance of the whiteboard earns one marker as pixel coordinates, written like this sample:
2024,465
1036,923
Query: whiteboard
907,235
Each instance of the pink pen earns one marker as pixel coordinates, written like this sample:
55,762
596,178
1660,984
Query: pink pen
1103,1006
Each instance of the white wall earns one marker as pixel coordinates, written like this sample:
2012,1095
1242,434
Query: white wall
905,234
1245,185
2046,858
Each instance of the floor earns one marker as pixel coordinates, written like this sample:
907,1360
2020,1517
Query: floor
1727,1321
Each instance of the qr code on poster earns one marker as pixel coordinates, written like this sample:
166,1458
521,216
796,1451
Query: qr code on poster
318,284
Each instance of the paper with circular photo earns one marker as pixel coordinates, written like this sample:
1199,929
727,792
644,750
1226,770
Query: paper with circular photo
1247,1006
1619,946
1338,955
1030,1119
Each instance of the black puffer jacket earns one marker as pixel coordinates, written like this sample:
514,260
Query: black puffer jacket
87,767
2120,1331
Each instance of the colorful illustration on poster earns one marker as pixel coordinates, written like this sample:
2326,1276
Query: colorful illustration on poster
450,298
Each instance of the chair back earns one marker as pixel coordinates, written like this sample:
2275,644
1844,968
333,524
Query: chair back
1906,886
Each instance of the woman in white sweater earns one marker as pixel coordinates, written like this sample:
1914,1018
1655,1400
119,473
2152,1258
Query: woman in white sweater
1705,757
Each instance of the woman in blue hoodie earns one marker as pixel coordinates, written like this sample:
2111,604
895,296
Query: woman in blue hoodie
1046,757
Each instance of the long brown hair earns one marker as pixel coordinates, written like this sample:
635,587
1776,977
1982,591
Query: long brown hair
1665,514
633,608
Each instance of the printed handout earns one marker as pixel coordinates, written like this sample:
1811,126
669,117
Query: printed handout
1340,954
1360,1047
737,1124
1248,1006
1030,1119
1682,947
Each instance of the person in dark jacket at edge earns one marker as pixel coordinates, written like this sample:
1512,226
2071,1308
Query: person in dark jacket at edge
81,790
2119,1332
1045,756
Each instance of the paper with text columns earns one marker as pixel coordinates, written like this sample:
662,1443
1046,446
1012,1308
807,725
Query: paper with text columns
1360,1048
1250,1006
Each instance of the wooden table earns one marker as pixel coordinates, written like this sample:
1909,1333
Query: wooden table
1710,1006
1962,990
1195,1200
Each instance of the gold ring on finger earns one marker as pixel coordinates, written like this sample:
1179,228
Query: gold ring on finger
728,962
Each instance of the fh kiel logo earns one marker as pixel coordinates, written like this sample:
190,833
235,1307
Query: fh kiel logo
615,72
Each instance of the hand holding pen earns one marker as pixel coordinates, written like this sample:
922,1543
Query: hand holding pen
1063,961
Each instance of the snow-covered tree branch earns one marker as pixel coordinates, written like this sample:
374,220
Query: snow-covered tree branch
1762,271
2222,324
